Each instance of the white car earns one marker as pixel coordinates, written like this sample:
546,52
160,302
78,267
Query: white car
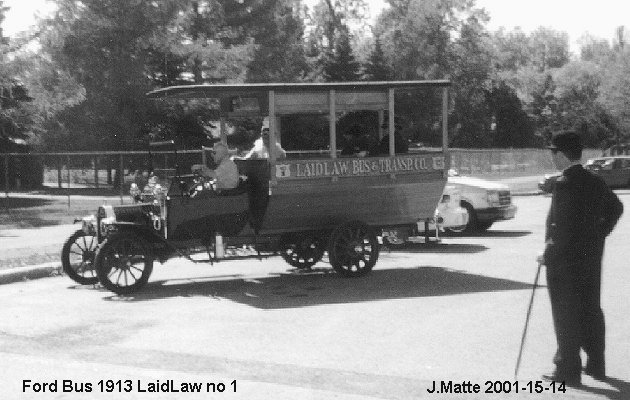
486,202
448,215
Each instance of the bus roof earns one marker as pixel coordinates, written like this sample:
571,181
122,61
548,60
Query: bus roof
196,91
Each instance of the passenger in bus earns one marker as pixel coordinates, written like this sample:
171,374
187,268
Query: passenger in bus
261,147
400,143
226,172
354,142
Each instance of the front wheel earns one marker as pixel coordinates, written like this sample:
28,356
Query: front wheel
353,249
124,263
77,257
302,252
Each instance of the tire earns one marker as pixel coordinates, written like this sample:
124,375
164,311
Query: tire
302,252
353,249
471,226
77,258
124,263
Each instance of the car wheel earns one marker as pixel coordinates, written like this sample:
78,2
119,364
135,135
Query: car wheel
471,226
353,249
77,257
124,263
302,252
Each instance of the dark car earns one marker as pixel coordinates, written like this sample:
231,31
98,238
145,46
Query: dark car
615,170
546,183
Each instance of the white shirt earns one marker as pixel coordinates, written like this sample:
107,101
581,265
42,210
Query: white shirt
259,150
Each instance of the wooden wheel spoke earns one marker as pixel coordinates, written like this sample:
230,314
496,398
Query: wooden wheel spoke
79,246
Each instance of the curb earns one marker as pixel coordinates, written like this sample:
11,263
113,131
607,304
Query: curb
31,272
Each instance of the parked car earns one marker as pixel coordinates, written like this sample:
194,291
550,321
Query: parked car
615,170
547,182
486,202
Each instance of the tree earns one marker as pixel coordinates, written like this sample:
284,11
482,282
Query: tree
594,49
549,48
376,68
615,93
512,50
511,124
340,65
577,90
280,52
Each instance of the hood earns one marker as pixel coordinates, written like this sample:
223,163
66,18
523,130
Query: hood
476,182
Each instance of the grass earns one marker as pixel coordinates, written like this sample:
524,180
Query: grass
23,211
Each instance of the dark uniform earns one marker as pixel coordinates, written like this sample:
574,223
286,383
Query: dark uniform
583,212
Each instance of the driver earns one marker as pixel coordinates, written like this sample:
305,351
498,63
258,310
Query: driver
226,172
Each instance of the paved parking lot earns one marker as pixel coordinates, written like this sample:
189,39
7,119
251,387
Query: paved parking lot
452,312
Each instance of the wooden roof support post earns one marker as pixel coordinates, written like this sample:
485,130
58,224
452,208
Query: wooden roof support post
332,122
392,126
272,137
447,156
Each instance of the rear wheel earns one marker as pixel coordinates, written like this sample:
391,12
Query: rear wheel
124,263
302,251
77,257
353,249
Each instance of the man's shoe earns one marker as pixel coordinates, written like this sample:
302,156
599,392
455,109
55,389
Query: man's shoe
598,373
569,380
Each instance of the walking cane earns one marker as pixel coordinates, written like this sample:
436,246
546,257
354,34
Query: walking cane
529,311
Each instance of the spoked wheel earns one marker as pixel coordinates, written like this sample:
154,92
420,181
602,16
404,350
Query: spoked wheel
77,257
353,249
124,263
302,251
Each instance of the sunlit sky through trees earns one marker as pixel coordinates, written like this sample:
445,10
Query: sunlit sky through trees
599,18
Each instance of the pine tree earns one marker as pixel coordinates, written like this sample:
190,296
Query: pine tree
341,66
377,68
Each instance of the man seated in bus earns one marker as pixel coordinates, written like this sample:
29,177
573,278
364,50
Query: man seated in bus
354,142
261,147
226,172
400,143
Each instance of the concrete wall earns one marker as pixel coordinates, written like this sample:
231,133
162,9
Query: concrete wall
507,161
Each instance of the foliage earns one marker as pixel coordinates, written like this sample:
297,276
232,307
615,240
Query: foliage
340,64
280,51
84,88
377,68
615,93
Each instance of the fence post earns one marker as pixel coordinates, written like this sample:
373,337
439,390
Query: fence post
121,178
68,168
96,171
6,175
59,176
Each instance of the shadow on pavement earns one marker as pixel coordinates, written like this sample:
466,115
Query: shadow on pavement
619,389
22,202
455,248
493,233
323,286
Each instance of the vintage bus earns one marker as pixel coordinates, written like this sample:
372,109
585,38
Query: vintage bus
338,168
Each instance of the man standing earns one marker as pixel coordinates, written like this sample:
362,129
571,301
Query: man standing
583,212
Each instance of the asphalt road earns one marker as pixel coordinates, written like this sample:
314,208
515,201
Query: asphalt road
451,312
